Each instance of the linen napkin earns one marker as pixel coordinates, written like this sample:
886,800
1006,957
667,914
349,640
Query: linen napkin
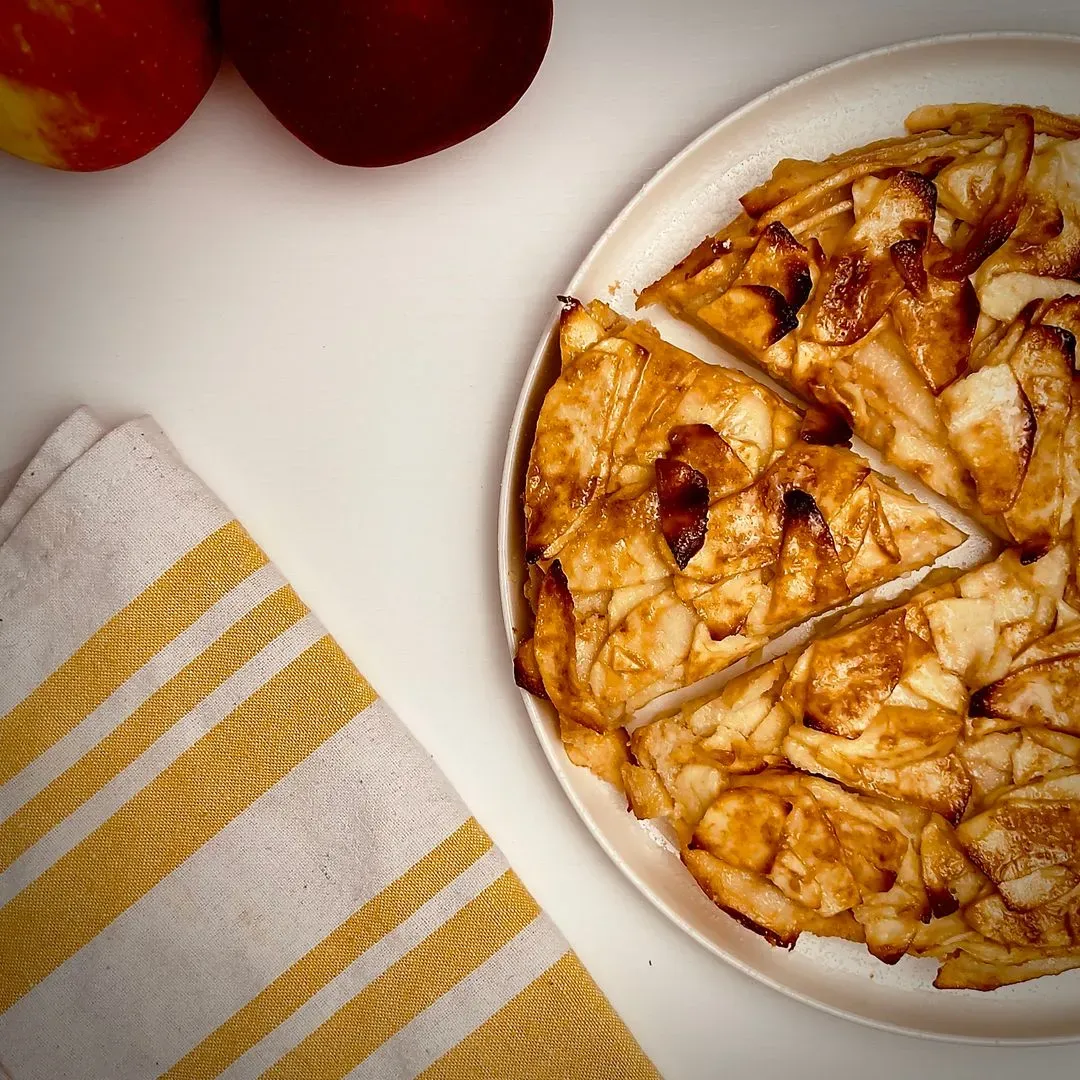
220,853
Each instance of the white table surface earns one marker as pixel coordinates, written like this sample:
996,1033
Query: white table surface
338,353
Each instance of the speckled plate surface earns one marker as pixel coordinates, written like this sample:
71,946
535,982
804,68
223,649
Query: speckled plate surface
846,104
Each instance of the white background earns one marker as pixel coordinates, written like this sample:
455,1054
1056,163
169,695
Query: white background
337,352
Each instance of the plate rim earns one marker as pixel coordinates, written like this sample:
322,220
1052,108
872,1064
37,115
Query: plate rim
509,505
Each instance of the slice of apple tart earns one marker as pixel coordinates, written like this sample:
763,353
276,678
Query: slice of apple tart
925,716
928,288
679,516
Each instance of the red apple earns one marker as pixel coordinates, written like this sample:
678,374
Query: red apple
378,82
90,84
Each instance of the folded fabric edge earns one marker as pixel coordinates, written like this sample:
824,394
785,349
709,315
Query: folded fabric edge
68,442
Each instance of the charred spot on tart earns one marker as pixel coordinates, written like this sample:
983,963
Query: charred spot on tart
825,427
793,279
1032,552
907,257
683,496
783,315
942,903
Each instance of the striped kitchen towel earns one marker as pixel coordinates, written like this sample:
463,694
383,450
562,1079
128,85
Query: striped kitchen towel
220,853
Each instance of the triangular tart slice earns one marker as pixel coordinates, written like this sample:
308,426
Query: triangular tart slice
679,516
927,288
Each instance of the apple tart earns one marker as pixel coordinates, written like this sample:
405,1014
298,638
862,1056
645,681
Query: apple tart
925,287
910,777
679,516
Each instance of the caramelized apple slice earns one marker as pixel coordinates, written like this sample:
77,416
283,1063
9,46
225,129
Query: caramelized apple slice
673,776
952,880
603,753
904,753
759,905
581,328
1042,363
571,456
991,427
966,186
862,278
706,451
1046,693
937,327
1026,827
763,302
1005,295
810,575
852,674
684,508
707,271
554,646
725,606
1003,212
744,827
621,546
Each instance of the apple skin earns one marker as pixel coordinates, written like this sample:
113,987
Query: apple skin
380,82
92,84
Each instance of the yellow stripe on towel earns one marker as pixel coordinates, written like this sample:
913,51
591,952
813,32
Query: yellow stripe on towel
187,590
559,1026
383,913
244,640
478,931
209,784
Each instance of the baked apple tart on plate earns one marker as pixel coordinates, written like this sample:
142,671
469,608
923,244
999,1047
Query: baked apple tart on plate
798,555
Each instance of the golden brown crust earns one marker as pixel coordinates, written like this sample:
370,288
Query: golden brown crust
527,670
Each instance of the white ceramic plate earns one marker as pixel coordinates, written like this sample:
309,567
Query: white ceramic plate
836,107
